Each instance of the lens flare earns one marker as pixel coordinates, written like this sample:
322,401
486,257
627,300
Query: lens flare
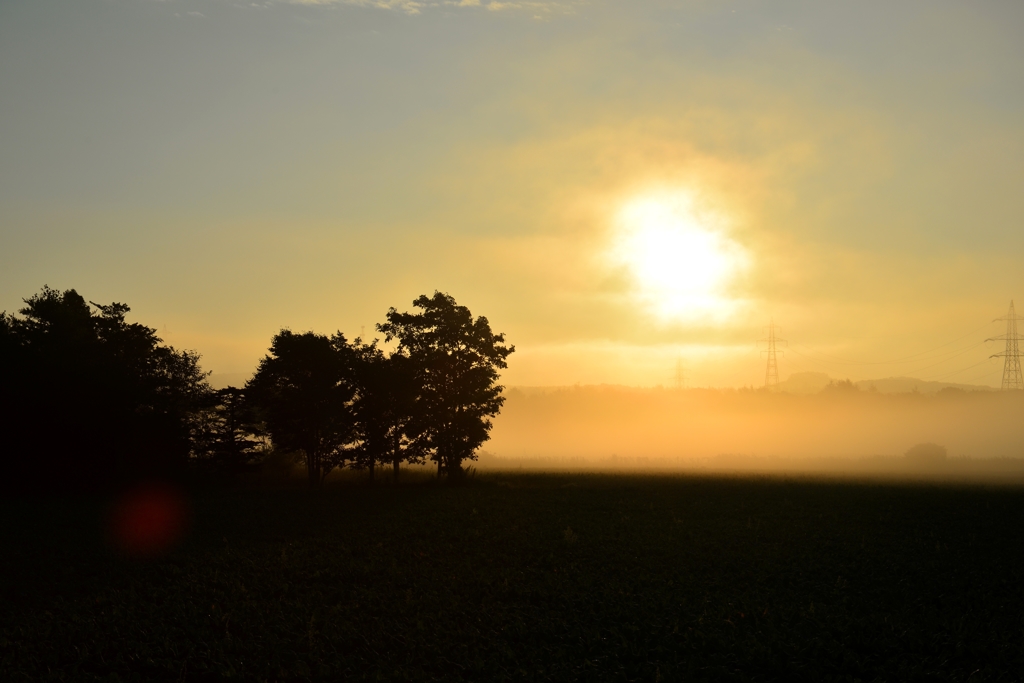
680,262
148,521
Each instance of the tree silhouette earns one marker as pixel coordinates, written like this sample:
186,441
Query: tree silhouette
304,390
456,359
89,398
387,409
226,432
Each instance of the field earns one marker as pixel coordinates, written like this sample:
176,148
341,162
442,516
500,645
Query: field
530,577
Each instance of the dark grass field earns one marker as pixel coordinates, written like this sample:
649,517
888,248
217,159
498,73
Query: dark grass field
530,577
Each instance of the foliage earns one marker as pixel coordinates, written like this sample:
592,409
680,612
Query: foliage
304,391
114,403
841,386
88,398
387,410
227,435
456,359
677,578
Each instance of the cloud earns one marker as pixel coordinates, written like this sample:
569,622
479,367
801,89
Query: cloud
544,7
413,7
407,6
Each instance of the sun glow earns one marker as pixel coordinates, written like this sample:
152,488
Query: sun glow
680,262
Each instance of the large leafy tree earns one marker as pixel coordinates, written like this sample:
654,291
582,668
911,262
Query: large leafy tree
387,410
87,397
456,358
305,390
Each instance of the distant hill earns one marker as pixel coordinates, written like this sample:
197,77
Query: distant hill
813,382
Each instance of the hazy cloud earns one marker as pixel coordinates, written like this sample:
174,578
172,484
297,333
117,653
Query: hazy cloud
868,161
414,7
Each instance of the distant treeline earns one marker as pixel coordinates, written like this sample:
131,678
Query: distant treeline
89,399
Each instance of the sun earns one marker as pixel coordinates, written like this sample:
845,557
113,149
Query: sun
680,261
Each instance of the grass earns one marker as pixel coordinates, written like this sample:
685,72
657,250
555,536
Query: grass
530,577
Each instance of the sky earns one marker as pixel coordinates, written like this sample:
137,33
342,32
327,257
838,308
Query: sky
622,188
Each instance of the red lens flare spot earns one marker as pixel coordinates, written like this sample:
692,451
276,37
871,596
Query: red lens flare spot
148,520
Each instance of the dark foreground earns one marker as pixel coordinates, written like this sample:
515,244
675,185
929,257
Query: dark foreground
530,577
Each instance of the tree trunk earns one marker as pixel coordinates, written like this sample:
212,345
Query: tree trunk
372,465
395,461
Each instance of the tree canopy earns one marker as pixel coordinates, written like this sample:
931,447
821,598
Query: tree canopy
387,410
87,397
305,390
456,359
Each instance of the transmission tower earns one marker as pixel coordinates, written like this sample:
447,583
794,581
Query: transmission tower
771,373
680,376
1012,378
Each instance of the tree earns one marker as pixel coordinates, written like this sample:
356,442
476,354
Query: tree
456,360
87,398
387,410
226,433
304,391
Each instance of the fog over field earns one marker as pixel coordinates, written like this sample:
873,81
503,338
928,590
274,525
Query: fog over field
840,428
814,423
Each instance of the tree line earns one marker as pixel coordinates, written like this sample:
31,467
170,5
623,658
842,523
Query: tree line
88,398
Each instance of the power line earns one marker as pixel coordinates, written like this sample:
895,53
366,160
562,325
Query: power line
949,357
987,373
842,361
830,360
957,372
941,358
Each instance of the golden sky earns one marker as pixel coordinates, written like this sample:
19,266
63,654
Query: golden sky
615,185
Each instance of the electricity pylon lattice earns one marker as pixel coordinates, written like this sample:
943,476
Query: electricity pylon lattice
680,376
771,373
1012,378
